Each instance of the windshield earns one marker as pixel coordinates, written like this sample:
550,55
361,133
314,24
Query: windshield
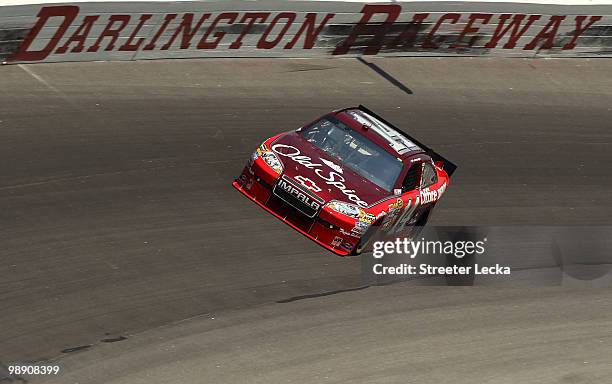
355,151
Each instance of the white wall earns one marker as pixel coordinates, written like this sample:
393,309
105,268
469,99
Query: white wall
82,31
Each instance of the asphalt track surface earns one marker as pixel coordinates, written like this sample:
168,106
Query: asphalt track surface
118,218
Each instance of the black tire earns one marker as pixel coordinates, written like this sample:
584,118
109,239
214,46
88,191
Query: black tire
364,242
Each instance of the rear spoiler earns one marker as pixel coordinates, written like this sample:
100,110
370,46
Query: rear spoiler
448,166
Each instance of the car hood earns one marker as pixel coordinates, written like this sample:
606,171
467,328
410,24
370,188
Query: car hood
322,174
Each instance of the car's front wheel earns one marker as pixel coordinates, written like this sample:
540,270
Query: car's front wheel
367,237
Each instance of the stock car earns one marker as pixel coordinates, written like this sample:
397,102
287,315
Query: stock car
346,179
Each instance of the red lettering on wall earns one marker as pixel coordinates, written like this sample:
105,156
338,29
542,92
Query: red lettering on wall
429,43
516,34
469,29
229,17
408,35
79,36
129,44
68,12
548,32
372,31
264,43
111,31
364,27
580,30
308,27
251,17
167,20
187,31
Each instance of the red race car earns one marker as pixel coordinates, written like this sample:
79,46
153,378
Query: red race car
346,179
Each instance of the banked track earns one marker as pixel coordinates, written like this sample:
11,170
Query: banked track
118,219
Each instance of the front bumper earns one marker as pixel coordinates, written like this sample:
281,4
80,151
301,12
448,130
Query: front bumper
327,234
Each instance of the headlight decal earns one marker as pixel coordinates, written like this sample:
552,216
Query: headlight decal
350,210
270,158
363,218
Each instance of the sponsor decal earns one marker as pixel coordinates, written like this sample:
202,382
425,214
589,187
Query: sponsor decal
259,152
428,196
298,194
360,228
394,210
345,232
363,223
397,204
332,165
332,178
397,191
309,184
366,217
336,241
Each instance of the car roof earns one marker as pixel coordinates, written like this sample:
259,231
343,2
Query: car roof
380,131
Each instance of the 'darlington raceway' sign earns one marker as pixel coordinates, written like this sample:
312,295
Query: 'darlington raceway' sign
65,30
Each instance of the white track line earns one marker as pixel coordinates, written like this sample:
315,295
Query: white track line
39,78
